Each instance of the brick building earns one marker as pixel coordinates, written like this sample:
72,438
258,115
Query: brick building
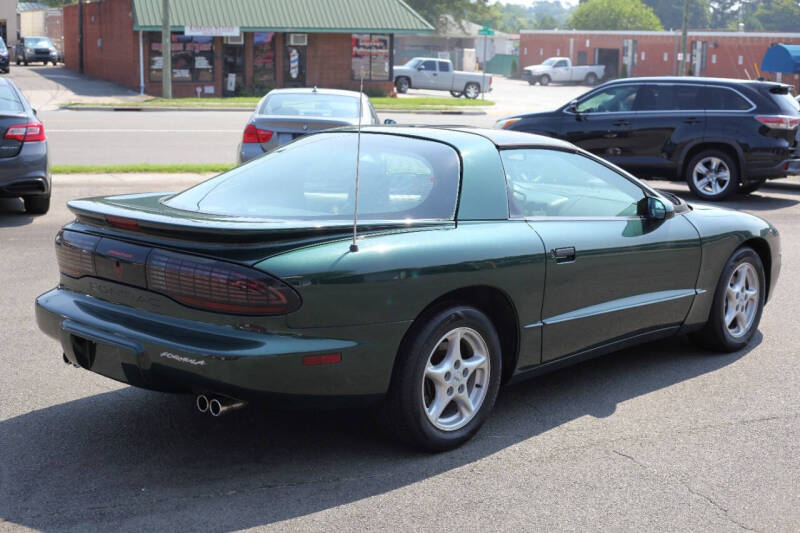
223,48
656,53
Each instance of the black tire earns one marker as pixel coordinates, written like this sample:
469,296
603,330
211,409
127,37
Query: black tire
532,81
716,335
402,84
707,191
591,78
405,407
456,94
472,90
26,62
37,205
19,62
752,186
544,79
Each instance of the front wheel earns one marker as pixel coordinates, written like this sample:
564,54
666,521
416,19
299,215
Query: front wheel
544,80
402,85
446,379
456,94
472,90
738,303
712,175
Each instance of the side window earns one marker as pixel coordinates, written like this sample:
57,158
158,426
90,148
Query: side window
655,98
613,99
430,66
551,183
722,99
562,63
688,97
444,66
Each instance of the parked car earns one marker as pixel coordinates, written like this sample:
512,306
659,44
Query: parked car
483,256
24,166
438,75
286,114
5,61
31,49
561,70
721,136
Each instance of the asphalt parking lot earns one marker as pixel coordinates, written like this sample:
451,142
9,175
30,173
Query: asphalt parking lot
659,437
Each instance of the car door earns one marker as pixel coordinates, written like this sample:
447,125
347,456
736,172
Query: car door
611,274
560,71
427,77
668,117
444,76
600,122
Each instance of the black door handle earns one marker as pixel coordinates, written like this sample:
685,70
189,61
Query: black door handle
622,123
691,120
563,255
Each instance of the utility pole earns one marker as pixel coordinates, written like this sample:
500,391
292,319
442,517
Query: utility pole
166,51
684,30
80,36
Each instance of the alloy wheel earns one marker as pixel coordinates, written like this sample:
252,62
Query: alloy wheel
471,91
741,300
711,176
456,379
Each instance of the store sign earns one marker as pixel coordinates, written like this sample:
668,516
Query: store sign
211,31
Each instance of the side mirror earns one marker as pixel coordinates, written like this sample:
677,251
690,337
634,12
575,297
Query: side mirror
572,107
35,112
389,121
658,209
421,67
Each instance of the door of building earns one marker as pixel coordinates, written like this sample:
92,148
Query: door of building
295,75
232,69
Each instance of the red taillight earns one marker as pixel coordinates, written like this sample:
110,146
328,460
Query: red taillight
218,286
779,122
75,253
324,359
122,222
256,135
26,133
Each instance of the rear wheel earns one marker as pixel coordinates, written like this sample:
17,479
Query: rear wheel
712,175
590,79
446,379
402,85
544,80
738,303
456,94
472,90
37,205
752,186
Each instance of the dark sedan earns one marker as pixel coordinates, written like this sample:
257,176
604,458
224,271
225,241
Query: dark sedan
24,165
4,57
483,256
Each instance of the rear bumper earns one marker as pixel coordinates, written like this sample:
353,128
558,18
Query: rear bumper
27,173
248,151
787,167
164,353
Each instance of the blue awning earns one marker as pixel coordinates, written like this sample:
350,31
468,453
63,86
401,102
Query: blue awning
782,58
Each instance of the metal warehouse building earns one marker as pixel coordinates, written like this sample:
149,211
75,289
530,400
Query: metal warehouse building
656,53
228,47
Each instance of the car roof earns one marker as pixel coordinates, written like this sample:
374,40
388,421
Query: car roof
691,79
314,90
500,138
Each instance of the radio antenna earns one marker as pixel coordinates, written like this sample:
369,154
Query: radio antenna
354,246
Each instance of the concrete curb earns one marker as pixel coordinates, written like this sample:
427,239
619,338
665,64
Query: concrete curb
248,110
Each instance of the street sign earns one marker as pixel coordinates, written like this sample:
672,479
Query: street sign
486,30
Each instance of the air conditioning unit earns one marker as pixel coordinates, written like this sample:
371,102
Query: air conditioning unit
239,39
298,39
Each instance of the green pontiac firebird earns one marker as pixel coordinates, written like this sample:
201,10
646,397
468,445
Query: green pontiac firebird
482,256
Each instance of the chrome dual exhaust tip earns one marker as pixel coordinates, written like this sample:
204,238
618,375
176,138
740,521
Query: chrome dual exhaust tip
217,406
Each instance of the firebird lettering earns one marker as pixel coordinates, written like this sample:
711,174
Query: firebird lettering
182,359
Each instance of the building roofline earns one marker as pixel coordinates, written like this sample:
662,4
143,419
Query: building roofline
277,29
696,33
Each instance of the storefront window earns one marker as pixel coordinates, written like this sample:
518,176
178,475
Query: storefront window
263,58
192,58
371,57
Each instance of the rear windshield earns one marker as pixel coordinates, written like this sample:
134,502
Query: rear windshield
785,102
314,178
9,101
311,104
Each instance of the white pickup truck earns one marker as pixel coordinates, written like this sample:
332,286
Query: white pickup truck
438,74
561,70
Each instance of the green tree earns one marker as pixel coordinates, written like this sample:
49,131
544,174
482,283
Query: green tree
546,22
433,10
777,15
614,15
670,12
724,14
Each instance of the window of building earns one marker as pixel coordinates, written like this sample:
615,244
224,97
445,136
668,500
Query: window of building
263,58
192,58
371,57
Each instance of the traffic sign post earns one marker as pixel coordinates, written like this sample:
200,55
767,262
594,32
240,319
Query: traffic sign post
486,31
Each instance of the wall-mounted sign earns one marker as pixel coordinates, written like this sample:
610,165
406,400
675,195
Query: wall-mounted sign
211,31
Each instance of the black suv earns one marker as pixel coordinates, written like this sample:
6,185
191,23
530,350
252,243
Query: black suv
720,135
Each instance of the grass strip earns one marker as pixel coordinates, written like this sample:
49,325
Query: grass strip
144,168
